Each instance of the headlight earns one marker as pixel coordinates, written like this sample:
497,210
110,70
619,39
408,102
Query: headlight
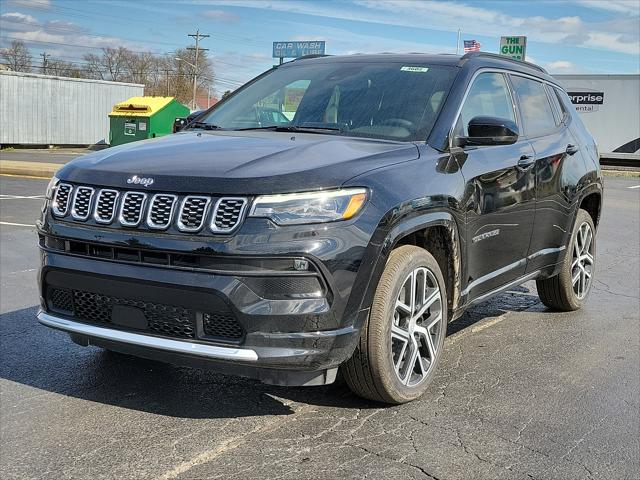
314,207
53,183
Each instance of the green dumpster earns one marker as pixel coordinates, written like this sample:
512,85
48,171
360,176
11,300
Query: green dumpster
139,118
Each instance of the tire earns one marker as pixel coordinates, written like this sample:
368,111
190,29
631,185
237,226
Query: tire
383,367
561,292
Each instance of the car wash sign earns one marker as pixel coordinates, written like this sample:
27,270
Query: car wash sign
297,49
514,47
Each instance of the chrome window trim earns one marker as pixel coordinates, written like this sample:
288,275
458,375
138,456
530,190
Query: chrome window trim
121,219
212,225
96,217
495,70
54,209
73,203
157,226
181,226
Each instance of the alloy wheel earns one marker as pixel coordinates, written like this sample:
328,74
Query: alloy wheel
417,324
583,261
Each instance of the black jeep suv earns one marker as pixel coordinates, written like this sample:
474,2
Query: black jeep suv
400,190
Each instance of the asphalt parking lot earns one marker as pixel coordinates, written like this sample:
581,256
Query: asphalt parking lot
522,393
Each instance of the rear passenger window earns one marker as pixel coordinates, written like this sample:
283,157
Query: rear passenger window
535,109
488,96
558,108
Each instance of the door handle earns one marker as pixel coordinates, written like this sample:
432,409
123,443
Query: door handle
571,149
526,161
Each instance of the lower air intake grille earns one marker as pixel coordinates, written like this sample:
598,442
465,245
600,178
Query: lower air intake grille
220,325
228,214
166,320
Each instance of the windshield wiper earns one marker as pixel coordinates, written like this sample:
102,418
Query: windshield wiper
202,125
295,128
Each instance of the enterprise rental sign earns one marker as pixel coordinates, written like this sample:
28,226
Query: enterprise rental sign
297,49
586,100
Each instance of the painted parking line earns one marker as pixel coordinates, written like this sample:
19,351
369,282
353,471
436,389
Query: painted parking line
635,186
16,224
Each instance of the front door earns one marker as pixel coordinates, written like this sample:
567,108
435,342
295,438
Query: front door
499,200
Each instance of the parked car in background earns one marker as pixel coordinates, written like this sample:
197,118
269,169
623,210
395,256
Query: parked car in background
403,190
181,122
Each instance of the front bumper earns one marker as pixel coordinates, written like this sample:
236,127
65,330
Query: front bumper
290,335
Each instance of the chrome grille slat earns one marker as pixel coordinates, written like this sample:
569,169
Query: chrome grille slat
81,206
132,208
60,204
161,211
105,209
227,214
192,213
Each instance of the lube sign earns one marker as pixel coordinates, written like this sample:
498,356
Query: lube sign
514,47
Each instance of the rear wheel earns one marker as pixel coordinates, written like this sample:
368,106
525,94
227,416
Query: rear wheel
401,342
569,289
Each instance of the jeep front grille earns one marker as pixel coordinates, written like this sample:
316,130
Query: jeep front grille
60,204
161,211
131,208
227,214
192,213
106,206
155,211
82,203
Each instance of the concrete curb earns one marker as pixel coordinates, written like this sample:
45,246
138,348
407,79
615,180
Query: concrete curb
29,169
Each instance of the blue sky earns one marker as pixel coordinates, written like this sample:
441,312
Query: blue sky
564,36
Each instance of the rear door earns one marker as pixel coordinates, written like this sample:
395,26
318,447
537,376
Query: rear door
557,169
500,192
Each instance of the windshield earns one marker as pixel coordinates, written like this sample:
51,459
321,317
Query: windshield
378,100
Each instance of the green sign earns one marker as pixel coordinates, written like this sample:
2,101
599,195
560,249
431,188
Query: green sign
514,47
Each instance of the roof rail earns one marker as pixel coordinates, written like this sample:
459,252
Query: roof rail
470,55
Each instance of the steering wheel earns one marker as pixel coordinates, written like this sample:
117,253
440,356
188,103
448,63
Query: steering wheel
400,122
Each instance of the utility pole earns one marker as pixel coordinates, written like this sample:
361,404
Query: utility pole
167,72
197,48
44,56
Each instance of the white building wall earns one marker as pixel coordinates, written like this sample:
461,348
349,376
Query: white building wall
615,122
46,110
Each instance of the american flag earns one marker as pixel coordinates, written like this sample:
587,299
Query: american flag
471,46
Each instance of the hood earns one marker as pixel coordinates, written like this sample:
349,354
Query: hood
237,162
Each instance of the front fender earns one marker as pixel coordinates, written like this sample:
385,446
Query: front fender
397,224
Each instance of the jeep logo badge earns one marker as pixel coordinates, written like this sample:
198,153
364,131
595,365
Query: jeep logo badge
144,181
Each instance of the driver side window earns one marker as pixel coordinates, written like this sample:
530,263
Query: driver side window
488,96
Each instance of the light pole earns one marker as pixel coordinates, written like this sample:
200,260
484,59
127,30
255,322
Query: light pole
195,72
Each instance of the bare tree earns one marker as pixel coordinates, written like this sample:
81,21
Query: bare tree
17,56
63,69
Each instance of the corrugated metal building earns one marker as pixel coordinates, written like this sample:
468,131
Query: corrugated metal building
46,110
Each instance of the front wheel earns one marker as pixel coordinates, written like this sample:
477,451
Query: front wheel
402,340
569,289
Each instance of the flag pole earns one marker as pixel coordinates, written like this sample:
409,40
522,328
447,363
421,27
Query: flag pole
458,42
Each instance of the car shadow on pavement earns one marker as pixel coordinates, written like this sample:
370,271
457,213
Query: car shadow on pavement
36,356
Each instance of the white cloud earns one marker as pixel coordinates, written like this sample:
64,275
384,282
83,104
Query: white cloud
631,7
17,17
560,66
220,15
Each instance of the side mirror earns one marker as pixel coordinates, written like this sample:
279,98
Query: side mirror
491,131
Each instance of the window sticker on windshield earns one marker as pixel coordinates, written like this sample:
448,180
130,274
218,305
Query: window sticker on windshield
415,69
